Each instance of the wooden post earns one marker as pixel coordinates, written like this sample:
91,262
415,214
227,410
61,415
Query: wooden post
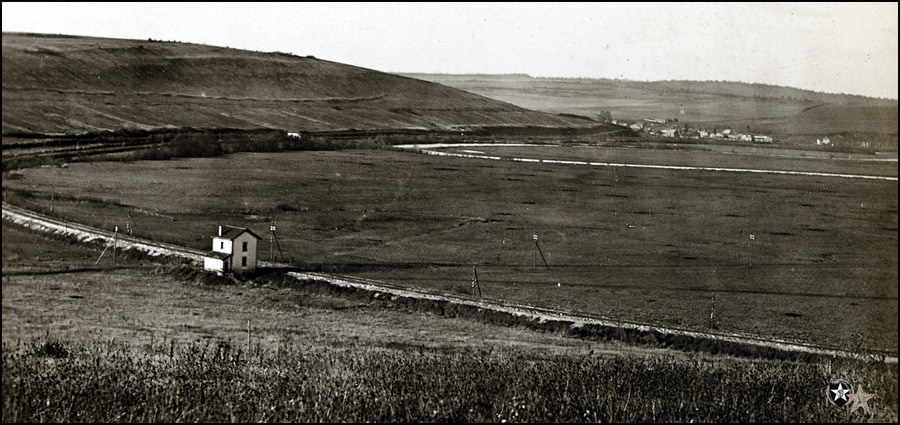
272,242
475,282
248,340
536,245
115,243
108,243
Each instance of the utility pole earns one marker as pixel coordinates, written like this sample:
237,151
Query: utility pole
131,224
274,238
115,243
537,247
475,283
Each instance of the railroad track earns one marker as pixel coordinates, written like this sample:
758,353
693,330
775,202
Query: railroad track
86,234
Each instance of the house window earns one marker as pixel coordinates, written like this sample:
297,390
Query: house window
244,261
245,246
221,245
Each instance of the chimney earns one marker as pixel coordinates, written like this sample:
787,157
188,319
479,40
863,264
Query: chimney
220,230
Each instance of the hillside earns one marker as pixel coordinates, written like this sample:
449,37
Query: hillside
63,84
780,110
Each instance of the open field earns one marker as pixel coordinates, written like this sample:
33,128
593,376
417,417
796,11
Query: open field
142,344
642,245
54,287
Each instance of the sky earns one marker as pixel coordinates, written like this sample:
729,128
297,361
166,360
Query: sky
831,47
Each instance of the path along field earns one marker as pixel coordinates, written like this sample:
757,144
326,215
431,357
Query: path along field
645,245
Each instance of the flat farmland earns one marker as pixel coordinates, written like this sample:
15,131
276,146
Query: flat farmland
643,245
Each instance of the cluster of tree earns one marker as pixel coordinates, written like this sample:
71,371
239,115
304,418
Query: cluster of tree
605,116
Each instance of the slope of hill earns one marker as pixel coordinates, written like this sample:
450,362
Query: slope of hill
780,110
64,84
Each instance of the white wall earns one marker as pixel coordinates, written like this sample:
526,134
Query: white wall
221,245
212,264
239,253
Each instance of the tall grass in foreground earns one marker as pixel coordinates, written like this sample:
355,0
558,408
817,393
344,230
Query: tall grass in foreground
52,381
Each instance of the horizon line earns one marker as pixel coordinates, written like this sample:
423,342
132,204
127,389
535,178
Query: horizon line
150,39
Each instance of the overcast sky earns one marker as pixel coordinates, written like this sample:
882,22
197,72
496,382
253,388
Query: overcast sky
849,48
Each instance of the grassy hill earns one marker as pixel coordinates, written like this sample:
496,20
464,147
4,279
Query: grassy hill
63,84
765,108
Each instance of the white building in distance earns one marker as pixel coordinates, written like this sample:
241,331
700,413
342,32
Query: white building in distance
233,250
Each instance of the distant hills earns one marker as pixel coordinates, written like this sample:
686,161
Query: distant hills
779,110
67,85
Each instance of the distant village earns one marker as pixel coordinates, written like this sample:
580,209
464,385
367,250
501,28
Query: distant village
671,128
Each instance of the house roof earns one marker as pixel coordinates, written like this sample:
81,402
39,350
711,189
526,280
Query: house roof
217,255
231,232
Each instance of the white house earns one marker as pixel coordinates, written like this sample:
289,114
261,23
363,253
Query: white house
297,135
233,250
825,141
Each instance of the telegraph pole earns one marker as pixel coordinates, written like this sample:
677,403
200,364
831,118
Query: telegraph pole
131,224
537,247
115,243
274,238
475,283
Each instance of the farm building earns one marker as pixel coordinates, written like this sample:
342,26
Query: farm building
233,250
669,132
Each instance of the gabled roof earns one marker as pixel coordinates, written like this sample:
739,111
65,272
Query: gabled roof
217,255
231,232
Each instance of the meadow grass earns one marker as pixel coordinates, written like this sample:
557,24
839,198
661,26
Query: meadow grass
108,381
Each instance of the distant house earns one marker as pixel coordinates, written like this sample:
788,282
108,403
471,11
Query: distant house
726,132
703,133
637,126
233,250
293,134
824,141
668,132
759,138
